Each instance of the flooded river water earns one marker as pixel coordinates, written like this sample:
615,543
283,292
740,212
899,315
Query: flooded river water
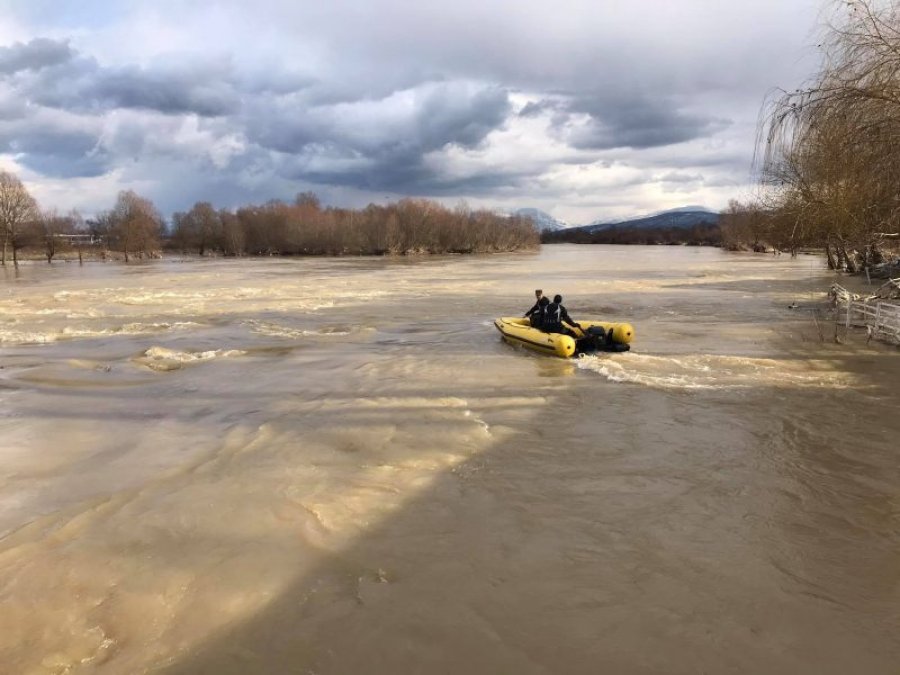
336,466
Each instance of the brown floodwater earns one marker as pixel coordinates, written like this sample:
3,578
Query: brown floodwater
336,466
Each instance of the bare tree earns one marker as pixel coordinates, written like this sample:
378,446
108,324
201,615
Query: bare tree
17,208
743,226
233,239
134,225
199,228
832,149
52,230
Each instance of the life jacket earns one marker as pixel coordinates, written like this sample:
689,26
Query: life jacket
552,318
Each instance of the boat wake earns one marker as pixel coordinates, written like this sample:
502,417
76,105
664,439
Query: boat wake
715,371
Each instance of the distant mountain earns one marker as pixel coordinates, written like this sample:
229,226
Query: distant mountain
692,226
544,221
683,217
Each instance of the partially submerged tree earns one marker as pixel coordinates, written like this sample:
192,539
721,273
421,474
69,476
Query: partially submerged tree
200,228
832,149
53,231
134,225
410,226
233,240
17,209
301,227
746,226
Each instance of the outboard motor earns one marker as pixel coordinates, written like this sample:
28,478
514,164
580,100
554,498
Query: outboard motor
596,339
598,336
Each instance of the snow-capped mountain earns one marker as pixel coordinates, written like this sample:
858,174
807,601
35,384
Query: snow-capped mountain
685,216
544,221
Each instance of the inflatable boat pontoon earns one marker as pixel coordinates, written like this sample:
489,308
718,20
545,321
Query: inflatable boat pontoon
596,336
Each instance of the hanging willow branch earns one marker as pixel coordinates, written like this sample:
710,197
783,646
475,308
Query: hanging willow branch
829,153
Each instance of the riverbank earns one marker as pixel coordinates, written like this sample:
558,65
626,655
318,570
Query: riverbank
105,255
80,255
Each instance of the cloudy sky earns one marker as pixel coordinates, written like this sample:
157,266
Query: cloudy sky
585,108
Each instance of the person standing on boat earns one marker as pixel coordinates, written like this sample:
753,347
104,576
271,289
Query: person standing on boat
535,312
555,316
540,316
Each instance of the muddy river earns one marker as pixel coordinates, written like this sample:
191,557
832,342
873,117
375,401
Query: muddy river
336,466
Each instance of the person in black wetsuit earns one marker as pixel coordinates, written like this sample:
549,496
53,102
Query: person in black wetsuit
534,313
556,315
540,316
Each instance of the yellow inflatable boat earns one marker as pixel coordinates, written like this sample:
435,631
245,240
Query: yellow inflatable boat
595,336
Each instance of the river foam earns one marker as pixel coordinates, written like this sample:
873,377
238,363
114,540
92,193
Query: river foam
165,359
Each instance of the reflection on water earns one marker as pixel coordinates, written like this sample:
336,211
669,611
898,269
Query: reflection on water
336,466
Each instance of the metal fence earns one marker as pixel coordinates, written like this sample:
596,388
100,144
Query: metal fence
880,317
81,239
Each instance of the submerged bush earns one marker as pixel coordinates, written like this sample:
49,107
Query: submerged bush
304,227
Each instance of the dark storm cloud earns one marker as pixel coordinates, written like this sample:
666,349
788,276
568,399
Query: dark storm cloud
55,152
69,80
638,122
538,108
676,177
285,129
382,145
62,86
271,79
34,55
12,107
361,142
446,117
61,165
54,112
414,178
182,90
479,184
434,117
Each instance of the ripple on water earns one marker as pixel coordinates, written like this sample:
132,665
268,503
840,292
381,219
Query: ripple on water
81,332
272,329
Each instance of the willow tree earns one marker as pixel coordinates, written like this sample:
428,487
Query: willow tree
832,148
17,208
